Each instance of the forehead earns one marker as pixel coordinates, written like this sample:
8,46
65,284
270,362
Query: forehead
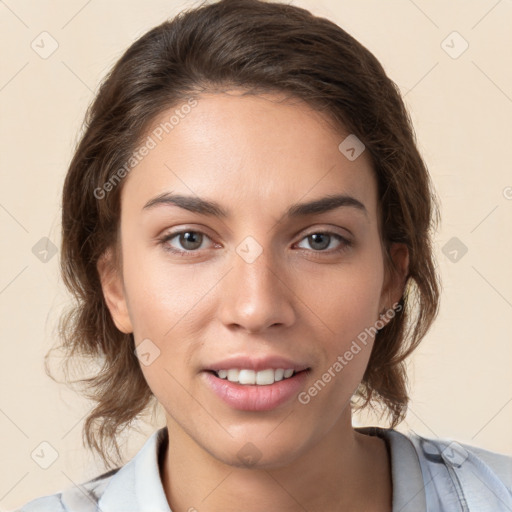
248,152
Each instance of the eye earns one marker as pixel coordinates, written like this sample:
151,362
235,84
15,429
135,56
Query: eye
190,240
321,240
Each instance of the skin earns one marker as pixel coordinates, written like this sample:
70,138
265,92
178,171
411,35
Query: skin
256,155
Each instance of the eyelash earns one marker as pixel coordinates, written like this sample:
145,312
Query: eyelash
345,243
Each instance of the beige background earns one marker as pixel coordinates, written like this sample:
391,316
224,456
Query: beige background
461,108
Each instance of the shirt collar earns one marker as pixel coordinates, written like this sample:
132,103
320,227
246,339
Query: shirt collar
138,485
406,474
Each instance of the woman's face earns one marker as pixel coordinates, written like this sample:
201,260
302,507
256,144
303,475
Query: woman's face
259,281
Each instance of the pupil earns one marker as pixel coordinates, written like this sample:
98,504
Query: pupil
189,238
315,237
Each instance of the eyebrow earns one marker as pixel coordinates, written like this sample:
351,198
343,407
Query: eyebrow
211,208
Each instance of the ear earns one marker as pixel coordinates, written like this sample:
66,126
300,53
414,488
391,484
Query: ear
395,278
113,291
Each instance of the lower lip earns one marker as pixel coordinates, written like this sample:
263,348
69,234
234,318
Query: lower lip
247,397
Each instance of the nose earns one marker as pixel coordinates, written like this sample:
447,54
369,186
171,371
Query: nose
255,295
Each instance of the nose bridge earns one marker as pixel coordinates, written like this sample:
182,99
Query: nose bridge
254,296
255,266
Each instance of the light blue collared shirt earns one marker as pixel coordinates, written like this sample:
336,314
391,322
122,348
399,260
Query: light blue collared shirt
428,475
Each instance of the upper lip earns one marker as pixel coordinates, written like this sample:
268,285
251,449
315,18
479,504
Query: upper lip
257,363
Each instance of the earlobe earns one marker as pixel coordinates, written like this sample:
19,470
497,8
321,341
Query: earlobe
113,291
396,278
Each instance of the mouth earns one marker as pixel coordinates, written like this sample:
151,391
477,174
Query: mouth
252,396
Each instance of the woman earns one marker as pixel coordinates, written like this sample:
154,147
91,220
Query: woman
247,227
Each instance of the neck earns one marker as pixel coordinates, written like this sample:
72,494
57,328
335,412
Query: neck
343,470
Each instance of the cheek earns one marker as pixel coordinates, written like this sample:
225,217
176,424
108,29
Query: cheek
169,306
349,309
162,296
358,304
347,302
346,298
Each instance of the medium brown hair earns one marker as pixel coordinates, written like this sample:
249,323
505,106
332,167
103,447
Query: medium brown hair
258,47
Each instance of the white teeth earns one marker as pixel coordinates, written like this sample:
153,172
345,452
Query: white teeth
247,377
233,375
279,374
263,377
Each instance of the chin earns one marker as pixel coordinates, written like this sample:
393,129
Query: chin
257,452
